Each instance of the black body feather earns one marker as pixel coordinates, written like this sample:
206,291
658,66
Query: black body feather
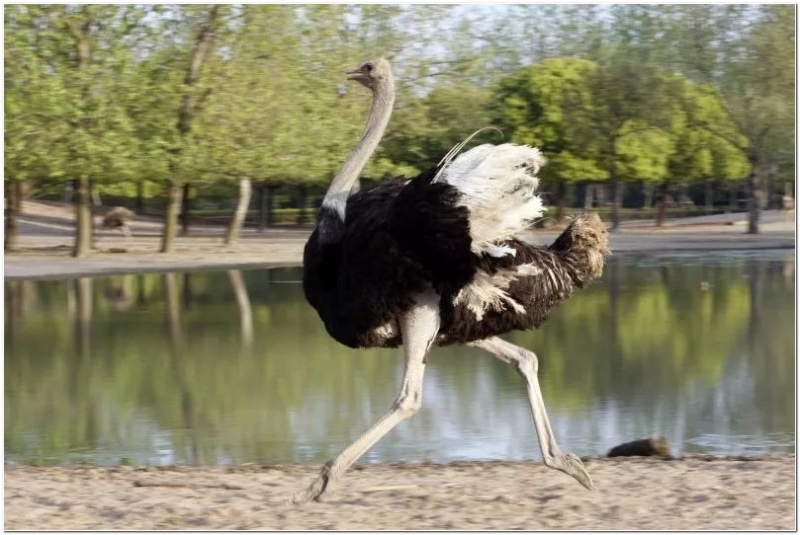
402,237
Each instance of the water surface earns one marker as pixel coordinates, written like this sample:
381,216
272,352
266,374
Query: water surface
233,367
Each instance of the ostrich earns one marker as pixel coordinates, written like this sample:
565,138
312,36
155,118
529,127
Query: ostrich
440,260
118,217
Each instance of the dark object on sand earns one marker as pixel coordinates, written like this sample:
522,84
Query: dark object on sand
118,217
646,447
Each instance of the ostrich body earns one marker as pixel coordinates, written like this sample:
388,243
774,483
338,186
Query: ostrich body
440,260
118,217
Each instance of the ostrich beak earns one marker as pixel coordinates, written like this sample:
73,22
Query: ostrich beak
354,75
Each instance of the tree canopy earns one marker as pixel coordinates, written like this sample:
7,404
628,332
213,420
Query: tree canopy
120,94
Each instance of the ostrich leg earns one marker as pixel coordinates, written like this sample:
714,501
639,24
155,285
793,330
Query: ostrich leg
418,327
527,365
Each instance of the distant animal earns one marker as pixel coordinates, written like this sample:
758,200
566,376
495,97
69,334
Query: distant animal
118,217
440,259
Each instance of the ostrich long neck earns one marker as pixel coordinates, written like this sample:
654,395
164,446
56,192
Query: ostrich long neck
382,102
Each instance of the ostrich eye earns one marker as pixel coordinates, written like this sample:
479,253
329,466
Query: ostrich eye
368,67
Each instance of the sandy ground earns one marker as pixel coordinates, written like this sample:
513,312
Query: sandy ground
697,492
46,237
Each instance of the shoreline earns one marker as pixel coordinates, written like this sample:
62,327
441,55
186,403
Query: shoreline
692,492
48,257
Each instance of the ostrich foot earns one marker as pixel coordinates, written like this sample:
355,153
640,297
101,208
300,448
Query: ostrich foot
319,491
570,464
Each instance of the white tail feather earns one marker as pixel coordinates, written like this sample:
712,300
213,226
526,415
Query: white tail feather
498,184
452,153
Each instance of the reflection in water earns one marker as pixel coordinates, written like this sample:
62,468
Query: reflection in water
217,368
243,302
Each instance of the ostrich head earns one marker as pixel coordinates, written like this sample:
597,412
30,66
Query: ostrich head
372,74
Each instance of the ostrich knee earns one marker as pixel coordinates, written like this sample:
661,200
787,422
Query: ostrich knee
408,404
527,364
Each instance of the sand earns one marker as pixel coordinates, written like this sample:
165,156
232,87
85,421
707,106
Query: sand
696,492
45,247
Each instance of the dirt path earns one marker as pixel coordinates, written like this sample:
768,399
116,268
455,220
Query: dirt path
694,493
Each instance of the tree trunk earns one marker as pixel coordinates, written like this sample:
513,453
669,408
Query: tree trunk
733,199
616,201
204,47
709,196
588,196
754,201
171,217
301,216
648,194
270,205
83,219
616,193
94,195
261,201
12,211
662,205
184,217
95,201
235,227
140,197
191,104
561,201
787,201
772,196
266,217
22,191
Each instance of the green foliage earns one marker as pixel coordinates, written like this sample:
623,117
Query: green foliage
532,106
643,92
424,129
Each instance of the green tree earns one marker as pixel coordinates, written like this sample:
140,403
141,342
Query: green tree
202,26
81,53
625,122
593,121
746,54
35,114
531,107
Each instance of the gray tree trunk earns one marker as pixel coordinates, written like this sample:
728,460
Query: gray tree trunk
83,219
171,217
771,195
140,197
588,196
709,194
13,203
303,201
185,207
235,227
616,201
662,204
733,199
261,201
648,194
754,202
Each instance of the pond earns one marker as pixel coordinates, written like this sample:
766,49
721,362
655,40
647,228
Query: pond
218,368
